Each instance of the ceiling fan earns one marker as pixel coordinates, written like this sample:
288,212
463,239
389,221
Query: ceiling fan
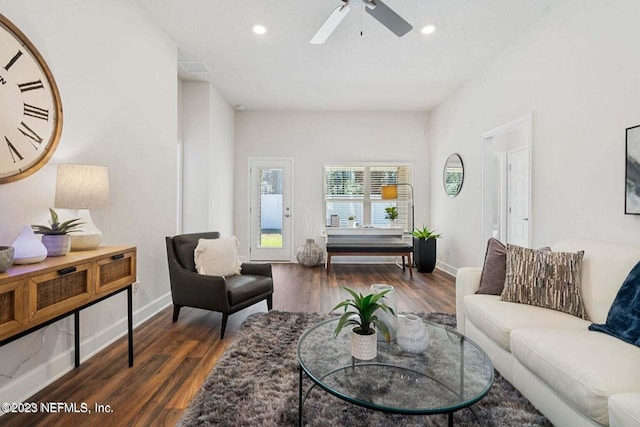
376,8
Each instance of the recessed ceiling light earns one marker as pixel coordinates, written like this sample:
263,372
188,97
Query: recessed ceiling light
428,29
259,29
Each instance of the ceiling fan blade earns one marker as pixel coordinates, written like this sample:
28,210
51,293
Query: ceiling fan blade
330,24
387,17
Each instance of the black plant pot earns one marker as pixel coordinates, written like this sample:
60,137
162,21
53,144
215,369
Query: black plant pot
424,254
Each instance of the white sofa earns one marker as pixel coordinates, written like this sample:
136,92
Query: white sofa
574,376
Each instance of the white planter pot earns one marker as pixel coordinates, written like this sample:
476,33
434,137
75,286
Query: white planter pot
57,244
364,347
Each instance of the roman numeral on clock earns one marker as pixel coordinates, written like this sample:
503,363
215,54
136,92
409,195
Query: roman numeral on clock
30,133
13,60
24,87
37,112
13,151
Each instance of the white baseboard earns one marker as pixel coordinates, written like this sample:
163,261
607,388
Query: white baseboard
29,383
447,268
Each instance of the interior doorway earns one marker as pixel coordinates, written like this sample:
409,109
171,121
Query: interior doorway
506,182
270,209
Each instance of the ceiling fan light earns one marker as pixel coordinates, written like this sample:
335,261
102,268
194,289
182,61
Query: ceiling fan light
259,29
428,29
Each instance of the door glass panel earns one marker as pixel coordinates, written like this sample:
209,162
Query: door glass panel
270,208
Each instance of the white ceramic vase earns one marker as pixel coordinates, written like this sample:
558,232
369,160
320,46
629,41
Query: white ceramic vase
390,300
364,347
28,248
412,334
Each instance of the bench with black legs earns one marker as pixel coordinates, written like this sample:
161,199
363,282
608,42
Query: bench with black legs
338,245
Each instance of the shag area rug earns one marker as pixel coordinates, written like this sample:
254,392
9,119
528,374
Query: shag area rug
255,383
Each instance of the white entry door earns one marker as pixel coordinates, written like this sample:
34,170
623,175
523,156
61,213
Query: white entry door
270,209
518,199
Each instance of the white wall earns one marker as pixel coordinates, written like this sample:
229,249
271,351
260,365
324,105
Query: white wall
576,71
207,132
314,139
116,71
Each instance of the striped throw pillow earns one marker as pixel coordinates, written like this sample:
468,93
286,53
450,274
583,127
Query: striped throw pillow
545,279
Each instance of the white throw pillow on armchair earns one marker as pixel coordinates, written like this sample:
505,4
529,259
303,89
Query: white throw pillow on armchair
218,257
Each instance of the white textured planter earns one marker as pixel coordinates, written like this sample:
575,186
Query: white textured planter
364,347
57,244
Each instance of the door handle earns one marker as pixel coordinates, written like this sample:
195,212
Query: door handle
287,215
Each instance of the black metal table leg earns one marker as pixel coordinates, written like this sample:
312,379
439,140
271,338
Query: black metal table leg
300,397
130,322
450,419
76,328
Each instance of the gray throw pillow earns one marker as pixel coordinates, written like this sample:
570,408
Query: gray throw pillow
545,279
494,268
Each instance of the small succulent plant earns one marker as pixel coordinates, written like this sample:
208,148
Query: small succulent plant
425,233
364,315
57,228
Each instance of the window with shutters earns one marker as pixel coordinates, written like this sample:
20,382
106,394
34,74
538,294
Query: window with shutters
355,191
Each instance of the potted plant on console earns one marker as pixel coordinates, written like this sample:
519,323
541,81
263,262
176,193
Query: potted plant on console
424,249
55,237
364,342
392,215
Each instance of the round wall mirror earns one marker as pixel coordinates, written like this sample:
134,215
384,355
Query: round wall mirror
453,175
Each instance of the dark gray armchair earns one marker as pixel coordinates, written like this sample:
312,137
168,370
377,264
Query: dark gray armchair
226,295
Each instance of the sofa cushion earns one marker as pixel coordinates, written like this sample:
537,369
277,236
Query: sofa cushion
493,269
241,288
498,318
604,267
624,410
582,366
545,279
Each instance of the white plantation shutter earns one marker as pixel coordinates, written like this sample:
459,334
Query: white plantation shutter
355,190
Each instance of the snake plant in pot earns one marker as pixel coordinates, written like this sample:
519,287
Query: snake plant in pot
54,236
424,249
360,311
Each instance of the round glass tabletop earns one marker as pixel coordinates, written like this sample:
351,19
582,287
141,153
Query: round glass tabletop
451,374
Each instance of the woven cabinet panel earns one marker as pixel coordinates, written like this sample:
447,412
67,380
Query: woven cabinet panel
62,288
115,270
7,307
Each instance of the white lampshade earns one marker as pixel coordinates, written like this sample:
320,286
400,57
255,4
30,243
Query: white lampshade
82,187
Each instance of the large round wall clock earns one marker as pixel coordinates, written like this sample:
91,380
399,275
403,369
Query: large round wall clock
30,107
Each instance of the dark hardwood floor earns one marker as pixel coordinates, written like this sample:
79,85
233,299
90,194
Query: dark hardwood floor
173,359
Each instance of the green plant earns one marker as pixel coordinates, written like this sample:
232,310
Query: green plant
392,212
365,308
56,228
352,217
425,233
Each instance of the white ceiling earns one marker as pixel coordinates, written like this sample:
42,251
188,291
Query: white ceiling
280,70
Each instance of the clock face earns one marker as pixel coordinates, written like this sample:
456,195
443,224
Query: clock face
30,108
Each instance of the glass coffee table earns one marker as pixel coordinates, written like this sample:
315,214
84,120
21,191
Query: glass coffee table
453,373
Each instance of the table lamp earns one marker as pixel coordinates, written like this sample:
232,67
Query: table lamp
83,187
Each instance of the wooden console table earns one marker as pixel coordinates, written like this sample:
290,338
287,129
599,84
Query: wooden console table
35,295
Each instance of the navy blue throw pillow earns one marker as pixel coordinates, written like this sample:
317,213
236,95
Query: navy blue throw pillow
623,320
